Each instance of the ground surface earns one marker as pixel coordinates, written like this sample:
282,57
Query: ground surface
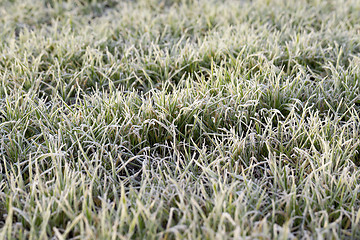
171,119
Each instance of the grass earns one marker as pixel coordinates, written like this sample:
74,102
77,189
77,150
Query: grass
179,119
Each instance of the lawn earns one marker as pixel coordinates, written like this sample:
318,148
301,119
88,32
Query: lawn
179,119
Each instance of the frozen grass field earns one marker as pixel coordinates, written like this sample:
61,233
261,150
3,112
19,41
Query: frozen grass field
179,119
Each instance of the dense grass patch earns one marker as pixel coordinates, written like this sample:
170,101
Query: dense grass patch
179,119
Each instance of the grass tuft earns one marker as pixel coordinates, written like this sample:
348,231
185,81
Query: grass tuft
179,119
